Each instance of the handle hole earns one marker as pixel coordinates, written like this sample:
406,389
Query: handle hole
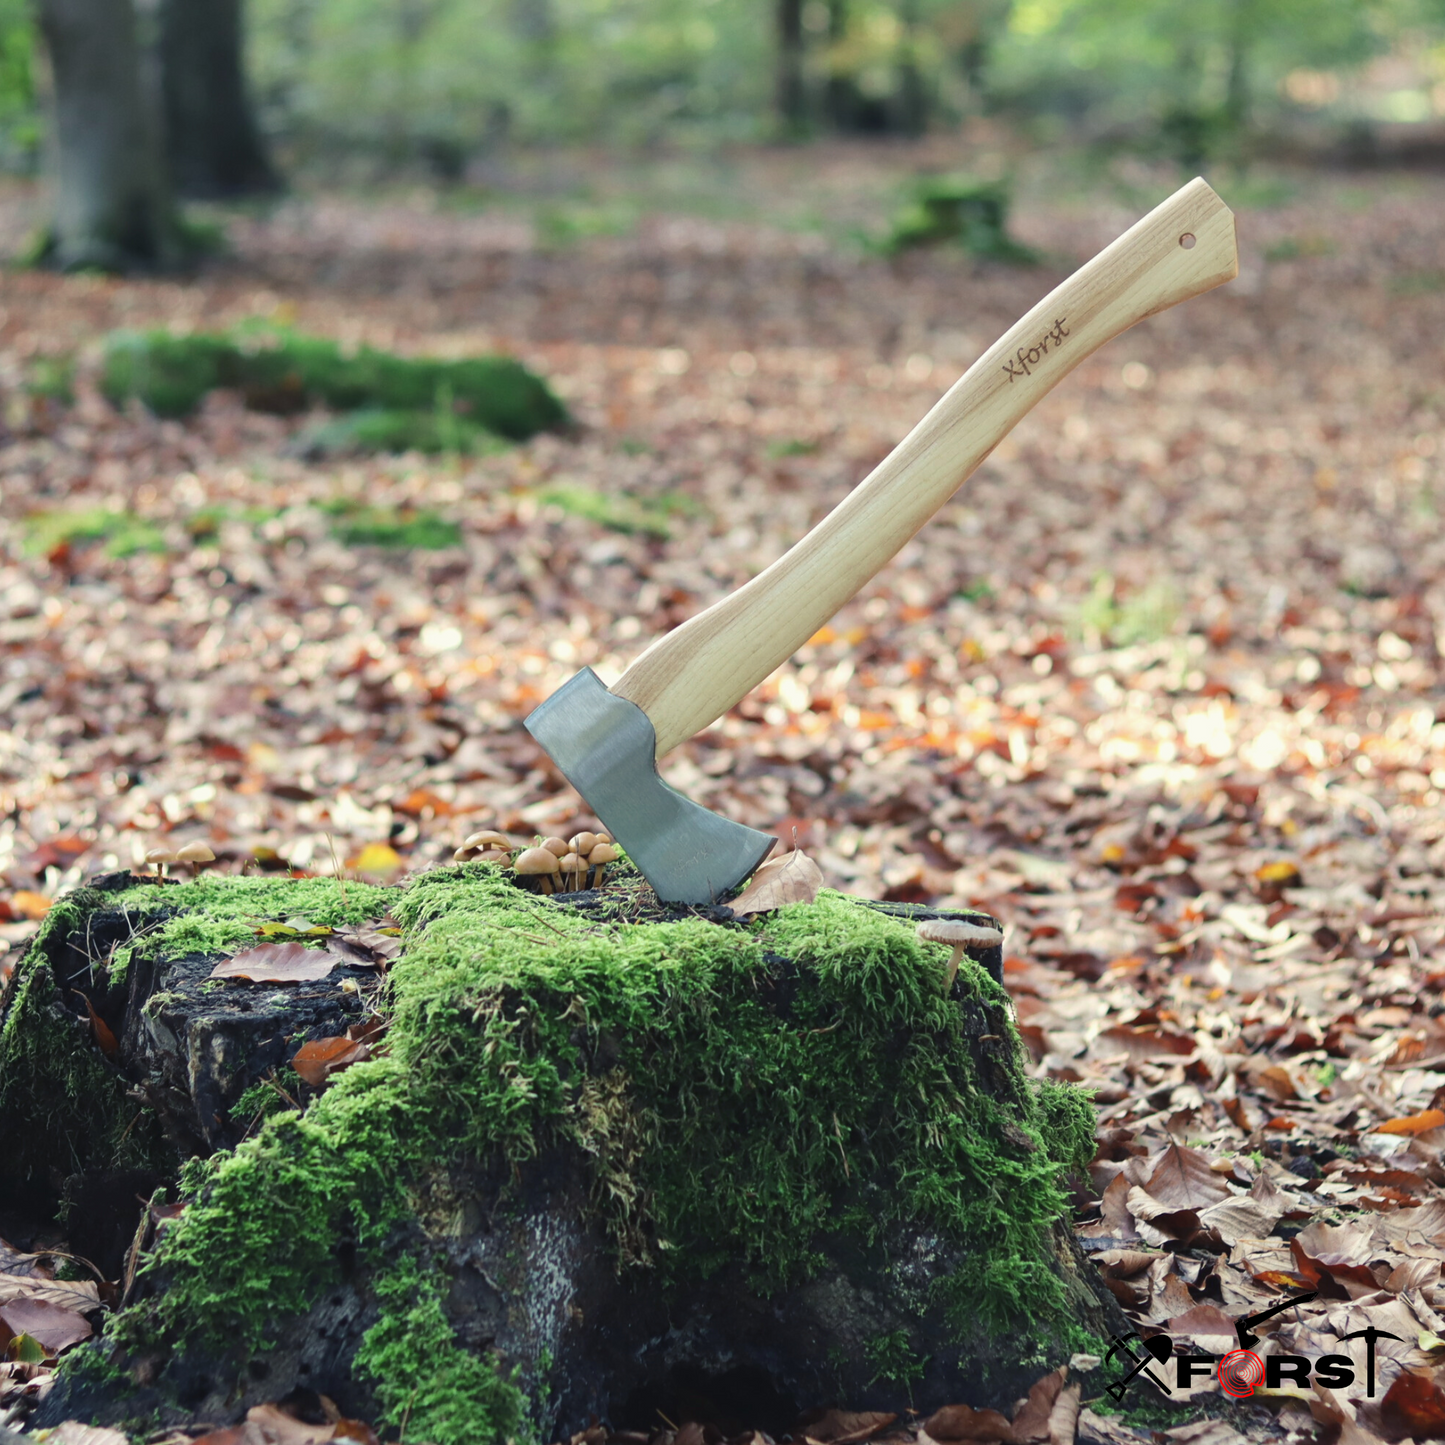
1187,240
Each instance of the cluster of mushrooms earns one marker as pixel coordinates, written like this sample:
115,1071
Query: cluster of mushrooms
196,854
555,865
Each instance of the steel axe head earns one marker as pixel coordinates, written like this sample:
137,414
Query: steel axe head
606,748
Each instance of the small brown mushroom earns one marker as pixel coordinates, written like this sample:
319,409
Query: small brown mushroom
560,847
160,857
463,854
495,855
602,837
486,840
958,933
598,859
539,864
583,843
572,866
197,855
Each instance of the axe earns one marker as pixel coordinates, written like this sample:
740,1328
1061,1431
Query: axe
607,741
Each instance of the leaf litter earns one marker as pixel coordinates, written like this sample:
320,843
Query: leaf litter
1159,688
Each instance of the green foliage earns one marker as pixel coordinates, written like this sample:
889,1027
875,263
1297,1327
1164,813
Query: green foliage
359,526
123,533
374,430
1105,618
893,1356
285,372
425,1380
971,213
619,513
53,378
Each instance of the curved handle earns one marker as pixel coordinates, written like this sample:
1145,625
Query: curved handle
695,673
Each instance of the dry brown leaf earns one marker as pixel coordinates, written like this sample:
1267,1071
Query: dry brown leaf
318,1059
1206,1325
276,1427
1413,1123
963,1422
102,1032
82,1295
277,963
55,1326
1242,1217
793,878
1414,1405
1182,1178
843,1427
72,1432
1031,1421
1064,1417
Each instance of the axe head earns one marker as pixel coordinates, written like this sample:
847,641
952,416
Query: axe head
606,748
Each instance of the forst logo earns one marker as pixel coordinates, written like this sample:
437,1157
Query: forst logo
1241,1370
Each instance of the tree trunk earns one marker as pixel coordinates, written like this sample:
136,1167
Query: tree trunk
791,98
212,142
113,209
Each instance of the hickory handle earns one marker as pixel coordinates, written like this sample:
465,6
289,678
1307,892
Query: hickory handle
693,675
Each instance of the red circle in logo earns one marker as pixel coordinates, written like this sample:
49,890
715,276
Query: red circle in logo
1239,1372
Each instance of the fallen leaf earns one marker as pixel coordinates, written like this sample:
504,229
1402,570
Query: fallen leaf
843,1427
29,905
1064,1417
1182,1178
963,1422
318,1059
1031,1420
377,860
72,1432
275,1427
793,878
76,1294
277,963
55,1326
1414,1405
1412,1123
104,1038
367,945
1207,1326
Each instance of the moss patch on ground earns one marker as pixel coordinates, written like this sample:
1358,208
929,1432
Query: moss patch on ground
399,401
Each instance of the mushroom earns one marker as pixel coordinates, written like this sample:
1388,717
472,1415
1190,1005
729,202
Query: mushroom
487,840
559,847
958,933
572,868
598,859
495,855
583,843
602,837
159,857
197,855
463,854
538,863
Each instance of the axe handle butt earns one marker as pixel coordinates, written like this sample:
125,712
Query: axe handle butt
694,674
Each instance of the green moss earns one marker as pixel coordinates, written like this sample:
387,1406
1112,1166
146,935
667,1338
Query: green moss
219,915
620,513
122,532
63,1108
282,371
969,213
423,1378
392,527
764,1087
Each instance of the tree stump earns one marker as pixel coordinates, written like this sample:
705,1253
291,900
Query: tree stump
611,1159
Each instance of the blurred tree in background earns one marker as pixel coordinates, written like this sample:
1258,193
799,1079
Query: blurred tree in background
378,85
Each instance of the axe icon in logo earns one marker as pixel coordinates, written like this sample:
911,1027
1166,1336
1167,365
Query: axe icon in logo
1241,1370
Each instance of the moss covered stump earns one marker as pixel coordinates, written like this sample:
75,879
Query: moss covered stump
610,1160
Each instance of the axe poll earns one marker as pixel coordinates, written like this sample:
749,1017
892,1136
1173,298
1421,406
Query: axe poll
607,741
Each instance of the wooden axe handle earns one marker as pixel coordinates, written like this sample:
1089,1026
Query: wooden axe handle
694,674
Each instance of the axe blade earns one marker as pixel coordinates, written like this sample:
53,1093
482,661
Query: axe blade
606,748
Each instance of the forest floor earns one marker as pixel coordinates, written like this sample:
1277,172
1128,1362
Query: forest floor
1159,689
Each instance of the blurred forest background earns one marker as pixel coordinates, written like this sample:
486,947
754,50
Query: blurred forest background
363,90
